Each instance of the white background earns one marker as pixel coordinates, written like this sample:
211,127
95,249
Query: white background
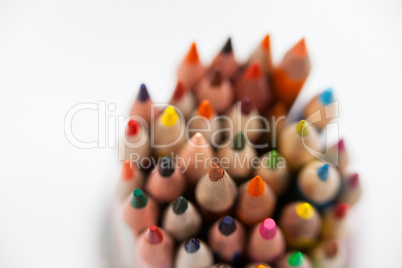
56,54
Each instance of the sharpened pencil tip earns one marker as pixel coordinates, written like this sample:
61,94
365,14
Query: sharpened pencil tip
273,159
323,172
153,235
127,171
327,97
300,49
239,141
246,106
227,225
305,211
227,48
268,229
216,79
192,245
296,259
216,172
132,127
180,205
166,166
256,187
138,199
253,71
205,109
265,43
143,94
169,116
331,249
192,54
302,128
179,91
341,210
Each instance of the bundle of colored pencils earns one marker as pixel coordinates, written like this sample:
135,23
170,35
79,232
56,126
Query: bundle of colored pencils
220,178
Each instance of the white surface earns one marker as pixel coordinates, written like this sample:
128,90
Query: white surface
55,54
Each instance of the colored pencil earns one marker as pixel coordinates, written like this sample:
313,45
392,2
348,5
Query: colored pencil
256,201
226,61
335,224
181,219
216,191
262,54
183,99
319,182
155,248
254,85
274,172
319,110
301,224
329,254
194,253
294,141
169,132
258,265
136,143
216,88
226,238
294,259
143,106
130,178
237,156
166,182
195,157
351,189
338,155
267,243
140,211
291,73
190,69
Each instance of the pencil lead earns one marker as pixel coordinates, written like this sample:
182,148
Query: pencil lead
138,199
169,116
341,145
268,229
192,54
216,78
331,249
227,48
256,187
327,97
253,71
143,95
205,109
261,266
180,205
166,166
132,127
153,235
323,172
265,43
179,91
354,180
239,142
300,48
305,211
216,172
340,210
192,245
227,225
127,171
302,128
273,159
296,259
246,106
198,139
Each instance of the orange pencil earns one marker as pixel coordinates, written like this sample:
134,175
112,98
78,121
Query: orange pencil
166,182
254,85
216,88
136,144
226,239
181,219
298,143
195,157
262,54
351,190
295,259
319,182
291,73
256,201
320,111
216,191
225,61
190,70
155,249
183,99
143,106
169,132
130,178
244,117
258,265
274,172
301,224
267,243
204,121
140,211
